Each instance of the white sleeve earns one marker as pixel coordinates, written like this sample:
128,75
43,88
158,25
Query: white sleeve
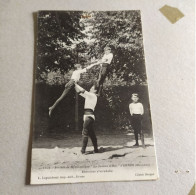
83,94
83,70
110,57
80,90
86,93
142,109
130,109
107,58
103,59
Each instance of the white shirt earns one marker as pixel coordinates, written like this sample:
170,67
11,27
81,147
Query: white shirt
107,58
90,102
136,108
76,74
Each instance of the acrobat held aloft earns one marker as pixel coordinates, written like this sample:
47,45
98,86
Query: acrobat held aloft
105,67
104,70
71,84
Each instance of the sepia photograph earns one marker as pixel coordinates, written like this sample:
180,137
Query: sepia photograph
92,118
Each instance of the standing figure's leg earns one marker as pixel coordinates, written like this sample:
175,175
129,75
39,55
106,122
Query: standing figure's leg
85,134
135,128
100,89
136,137
142,138
93,136
102,75
68,87
84,144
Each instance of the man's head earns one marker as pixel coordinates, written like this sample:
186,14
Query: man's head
135,97
78,66
107,50
94,88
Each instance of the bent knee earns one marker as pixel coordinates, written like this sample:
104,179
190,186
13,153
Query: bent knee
85,132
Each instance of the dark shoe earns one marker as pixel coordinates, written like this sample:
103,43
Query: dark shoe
83,151
136,145
96,151
94,141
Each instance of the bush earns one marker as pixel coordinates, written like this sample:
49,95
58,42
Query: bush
55,77
112,110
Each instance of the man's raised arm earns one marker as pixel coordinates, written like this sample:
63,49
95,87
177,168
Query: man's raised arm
79,89
90,66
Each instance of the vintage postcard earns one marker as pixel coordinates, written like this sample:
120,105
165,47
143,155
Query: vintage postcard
92,120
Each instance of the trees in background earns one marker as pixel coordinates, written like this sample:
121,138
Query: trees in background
65,38
58,33
122,31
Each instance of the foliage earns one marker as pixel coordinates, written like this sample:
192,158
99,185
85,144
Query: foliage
55,77
58,32
123,32
112,111
64,38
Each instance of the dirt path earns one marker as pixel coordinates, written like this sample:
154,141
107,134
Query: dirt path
59,160
114,148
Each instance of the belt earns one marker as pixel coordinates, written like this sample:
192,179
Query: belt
88,111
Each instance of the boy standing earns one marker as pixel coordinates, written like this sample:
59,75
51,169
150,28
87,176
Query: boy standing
74,79
105,61
89,118
136,111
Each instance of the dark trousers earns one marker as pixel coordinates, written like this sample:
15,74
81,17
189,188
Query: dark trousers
136,124
88,130
102,75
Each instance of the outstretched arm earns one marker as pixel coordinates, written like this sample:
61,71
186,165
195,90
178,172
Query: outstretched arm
87,68
90,66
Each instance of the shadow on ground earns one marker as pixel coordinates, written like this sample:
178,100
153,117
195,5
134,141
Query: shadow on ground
74,139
